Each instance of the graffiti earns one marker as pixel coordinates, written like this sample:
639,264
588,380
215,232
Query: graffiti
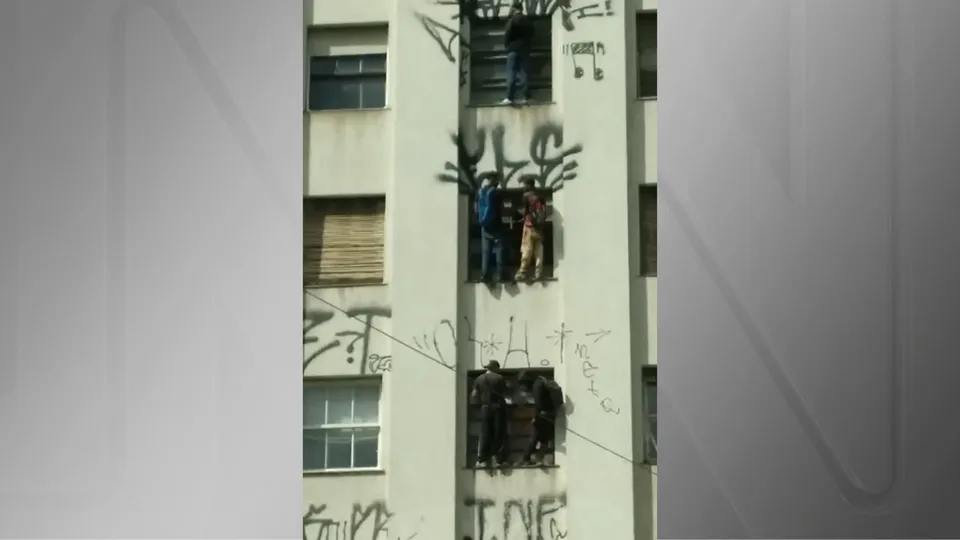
498,9
441,343
559,338
530,519
377,364
550,161
365,522
452,43
351,341
585,48
589,371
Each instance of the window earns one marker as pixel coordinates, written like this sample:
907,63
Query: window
488,61
519,418
648,230
343,240
348,82
650,414
647,54
341,425
512,200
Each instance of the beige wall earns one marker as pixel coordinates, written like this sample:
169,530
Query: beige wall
400,152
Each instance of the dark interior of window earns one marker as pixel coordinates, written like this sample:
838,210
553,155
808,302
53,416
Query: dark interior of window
513,233
519,416
647,54
488,61
348,82
648,230
649,375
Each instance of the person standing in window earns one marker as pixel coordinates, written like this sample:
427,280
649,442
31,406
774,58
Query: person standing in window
547,401
490,392
518,37
489,209
534,214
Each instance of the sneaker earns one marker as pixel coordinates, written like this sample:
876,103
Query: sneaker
523,102
482,464
506,102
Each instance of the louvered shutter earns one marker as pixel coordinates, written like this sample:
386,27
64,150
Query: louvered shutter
648,230
343,241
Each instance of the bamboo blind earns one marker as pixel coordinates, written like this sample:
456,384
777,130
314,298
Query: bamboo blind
648,230
343,241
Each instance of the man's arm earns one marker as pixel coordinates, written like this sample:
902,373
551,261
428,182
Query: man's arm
475,394
539,393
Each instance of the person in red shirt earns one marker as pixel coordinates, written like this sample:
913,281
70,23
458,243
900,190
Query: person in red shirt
534,214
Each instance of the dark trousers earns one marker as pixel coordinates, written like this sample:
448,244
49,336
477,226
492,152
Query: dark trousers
493,433
518,78
544,428
491,246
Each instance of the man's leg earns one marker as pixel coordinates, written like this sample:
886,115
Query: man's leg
525,253
486,433
536,438
486,248
537,248
497,252
523,74
511,76
500,449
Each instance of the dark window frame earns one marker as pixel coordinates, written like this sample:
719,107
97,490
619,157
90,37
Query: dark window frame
512,200
646,81
330,71
650,447
488,54
647,201
519,416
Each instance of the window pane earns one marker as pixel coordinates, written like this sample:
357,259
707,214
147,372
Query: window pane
374,63
340,406
650,395
314,404
374,93
348,65
366,408
365,442
647,55
338,449
313,450
323,65
652,438
327,94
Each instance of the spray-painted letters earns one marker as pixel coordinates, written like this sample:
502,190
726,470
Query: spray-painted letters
549,163
345,336
518,519
364,522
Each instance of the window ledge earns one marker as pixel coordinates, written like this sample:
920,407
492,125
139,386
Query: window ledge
515,281
510,105
336,111
365,471
648,98
509,468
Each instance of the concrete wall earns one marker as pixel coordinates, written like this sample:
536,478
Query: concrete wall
604,313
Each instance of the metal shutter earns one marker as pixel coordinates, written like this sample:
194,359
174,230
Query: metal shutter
343,241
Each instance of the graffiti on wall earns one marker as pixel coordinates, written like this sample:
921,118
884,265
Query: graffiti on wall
498,9
589,370
511,343
350,345
519,518
585,50
451,42
548,163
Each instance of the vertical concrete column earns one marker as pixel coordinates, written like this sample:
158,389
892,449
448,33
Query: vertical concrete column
422,220
596,276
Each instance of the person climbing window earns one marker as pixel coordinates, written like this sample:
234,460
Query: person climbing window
518,37
534,213
490,392
489,211
547,402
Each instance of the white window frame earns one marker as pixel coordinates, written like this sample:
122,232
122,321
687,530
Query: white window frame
353,384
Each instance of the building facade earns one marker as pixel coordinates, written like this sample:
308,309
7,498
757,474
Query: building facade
401,124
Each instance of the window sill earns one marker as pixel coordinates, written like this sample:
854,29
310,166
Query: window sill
513,282
366,471
646,276
343,285
335,111
510,105
509,468
647,98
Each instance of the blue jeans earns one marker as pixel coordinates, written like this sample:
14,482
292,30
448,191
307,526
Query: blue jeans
491,247
517,76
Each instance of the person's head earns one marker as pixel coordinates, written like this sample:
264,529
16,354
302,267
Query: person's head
493,366
516,8
525,379
491,181
529,184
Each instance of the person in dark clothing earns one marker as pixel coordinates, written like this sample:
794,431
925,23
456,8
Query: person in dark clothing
546,405
518,37
489,211
490,392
